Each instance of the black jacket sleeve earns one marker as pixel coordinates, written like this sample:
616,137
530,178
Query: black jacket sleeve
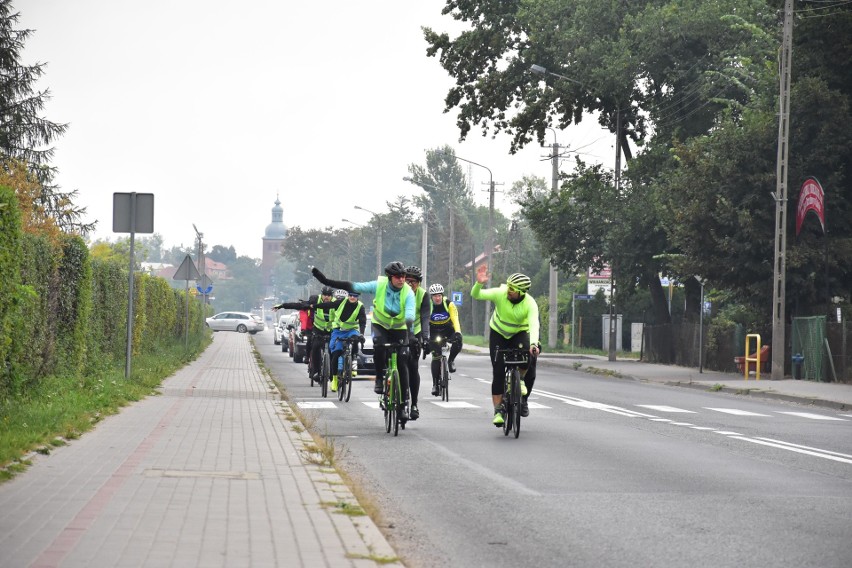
362,320
293,306
341,284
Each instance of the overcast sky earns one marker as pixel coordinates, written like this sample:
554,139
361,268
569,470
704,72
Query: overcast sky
218,107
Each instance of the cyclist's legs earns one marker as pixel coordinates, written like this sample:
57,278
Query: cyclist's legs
455,349
414,372
380,356
498,369
316,351
402,359
436,331
336,347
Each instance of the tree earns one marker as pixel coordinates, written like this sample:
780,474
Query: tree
25,136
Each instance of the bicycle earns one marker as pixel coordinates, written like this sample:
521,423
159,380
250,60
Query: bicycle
513,359
392,400
344,386
444,378
325,363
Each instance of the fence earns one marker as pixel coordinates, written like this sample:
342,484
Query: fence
678,344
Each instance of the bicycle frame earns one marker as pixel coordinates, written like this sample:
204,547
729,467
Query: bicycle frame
513,359
392,401
443,381
344,389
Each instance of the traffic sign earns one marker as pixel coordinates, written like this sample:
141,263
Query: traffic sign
204,291
457,298
584,296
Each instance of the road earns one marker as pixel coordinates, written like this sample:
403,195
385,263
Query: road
606,472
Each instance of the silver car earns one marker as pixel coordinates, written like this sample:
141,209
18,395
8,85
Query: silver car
236,321
281,335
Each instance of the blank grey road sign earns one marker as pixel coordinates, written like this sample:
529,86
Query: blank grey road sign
122,213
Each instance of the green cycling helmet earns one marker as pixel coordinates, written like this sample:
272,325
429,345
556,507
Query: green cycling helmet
520,282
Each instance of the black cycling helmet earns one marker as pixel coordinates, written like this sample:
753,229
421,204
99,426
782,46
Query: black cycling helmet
395,268
414,272
327,291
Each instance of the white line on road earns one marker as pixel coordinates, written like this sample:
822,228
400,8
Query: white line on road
812,416
825,454
737,412
663,408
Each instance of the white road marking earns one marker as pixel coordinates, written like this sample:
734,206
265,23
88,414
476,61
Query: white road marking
825,454
373,404
812,416
737,412
664,408
453,404
682,424
316,405
726,433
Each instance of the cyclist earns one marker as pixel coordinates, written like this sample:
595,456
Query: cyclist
514,323
393,316
413,277
350,320
323,320
306,321
444,323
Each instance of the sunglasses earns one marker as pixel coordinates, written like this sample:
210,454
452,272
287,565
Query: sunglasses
513,288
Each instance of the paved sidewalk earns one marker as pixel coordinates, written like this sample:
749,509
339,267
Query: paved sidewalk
828,395
214,472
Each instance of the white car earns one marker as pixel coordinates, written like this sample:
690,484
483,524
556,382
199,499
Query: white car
280,334
236,321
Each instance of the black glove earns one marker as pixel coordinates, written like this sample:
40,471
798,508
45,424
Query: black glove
457,337
340,284
361,338
427,348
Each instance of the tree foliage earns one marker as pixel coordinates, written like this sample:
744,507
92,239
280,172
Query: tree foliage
695,85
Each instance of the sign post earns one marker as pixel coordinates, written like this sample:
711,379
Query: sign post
582,298
187,272
132,213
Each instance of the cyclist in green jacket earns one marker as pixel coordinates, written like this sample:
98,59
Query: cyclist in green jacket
514,323
393,318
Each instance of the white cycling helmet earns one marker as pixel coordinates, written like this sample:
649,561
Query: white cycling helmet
436,289
340,294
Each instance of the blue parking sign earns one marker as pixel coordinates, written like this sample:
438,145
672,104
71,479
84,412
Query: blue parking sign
457,298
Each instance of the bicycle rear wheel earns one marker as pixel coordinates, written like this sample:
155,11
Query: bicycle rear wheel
346,380
325,373
445,380
390,410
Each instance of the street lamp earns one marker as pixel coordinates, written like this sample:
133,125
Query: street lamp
539,70
378,238
489,241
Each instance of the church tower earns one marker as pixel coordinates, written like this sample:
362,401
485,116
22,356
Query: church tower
273,245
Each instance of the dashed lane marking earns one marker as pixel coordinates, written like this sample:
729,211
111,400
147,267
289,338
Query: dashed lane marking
316,405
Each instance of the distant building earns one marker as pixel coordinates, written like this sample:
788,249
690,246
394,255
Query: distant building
273,245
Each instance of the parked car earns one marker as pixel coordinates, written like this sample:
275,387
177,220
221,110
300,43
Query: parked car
280,334
364,360
297,344
236,321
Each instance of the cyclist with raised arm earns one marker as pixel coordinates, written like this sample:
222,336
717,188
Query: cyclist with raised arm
393,316
350,320
306,319
514,323
443,323
413,277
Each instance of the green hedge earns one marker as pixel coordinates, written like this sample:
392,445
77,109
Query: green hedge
64,314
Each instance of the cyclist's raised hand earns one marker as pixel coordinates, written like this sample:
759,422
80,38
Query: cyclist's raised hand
482,273
318,275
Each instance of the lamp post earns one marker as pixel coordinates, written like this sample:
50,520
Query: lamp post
539,70
489,241
378,238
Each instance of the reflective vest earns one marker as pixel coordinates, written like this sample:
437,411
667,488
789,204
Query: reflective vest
352,322
323,319
380,316
418,302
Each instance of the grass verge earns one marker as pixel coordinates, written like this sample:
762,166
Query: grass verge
58,409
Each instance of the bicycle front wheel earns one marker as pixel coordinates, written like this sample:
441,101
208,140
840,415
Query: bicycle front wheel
445,380
516,402
346,380
396,401
325,373
387,401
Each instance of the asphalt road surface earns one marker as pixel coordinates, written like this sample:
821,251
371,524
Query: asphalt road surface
606,472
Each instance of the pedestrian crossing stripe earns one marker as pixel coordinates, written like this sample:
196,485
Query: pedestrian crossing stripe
453,404
812,416
737,412
663,408
310,405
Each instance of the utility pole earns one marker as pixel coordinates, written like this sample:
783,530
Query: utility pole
780,268
612,315
452,246
553,308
